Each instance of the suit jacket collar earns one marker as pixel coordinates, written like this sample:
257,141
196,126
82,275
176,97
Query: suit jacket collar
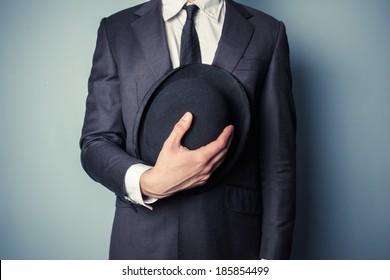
150,31
236,35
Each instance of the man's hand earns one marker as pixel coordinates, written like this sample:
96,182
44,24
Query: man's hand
178,168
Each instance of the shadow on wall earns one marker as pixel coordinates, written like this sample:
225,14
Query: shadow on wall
306,162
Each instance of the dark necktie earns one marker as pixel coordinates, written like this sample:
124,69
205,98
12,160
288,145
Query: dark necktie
189,48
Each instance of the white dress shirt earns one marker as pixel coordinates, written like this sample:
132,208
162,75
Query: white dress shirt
208,24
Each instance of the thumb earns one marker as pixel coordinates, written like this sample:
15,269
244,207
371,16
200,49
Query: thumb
181,127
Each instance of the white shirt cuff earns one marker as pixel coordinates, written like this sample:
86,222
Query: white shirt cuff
132,187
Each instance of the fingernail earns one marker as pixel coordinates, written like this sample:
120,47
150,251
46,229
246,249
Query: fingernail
186,117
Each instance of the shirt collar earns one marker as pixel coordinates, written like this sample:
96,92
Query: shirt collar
212,8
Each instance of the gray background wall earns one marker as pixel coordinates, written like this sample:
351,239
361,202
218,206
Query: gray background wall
50,209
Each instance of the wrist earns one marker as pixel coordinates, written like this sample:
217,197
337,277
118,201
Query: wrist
148,185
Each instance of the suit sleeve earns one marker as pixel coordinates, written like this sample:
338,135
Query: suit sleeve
277,156
102,142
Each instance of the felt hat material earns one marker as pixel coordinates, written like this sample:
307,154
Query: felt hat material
215,98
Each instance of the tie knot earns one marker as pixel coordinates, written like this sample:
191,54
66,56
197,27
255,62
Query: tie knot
191,11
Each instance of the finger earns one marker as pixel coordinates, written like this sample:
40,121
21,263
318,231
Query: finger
226,136
223,141
216,161
180,128
230,139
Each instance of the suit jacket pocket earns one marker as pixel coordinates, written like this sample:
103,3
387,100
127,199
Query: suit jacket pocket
243,200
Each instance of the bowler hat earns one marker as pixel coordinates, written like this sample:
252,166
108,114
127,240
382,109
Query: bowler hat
215,98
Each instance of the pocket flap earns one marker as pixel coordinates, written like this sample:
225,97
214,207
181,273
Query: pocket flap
243,200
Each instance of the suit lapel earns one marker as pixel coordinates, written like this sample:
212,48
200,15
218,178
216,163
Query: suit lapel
150,32
236,35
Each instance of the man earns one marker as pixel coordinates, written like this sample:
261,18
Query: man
250,213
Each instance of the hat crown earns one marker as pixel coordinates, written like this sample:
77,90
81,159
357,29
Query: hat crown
207,104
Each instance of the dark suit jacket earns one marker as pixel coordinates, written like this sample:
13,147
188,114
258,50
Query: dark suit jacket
250,214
